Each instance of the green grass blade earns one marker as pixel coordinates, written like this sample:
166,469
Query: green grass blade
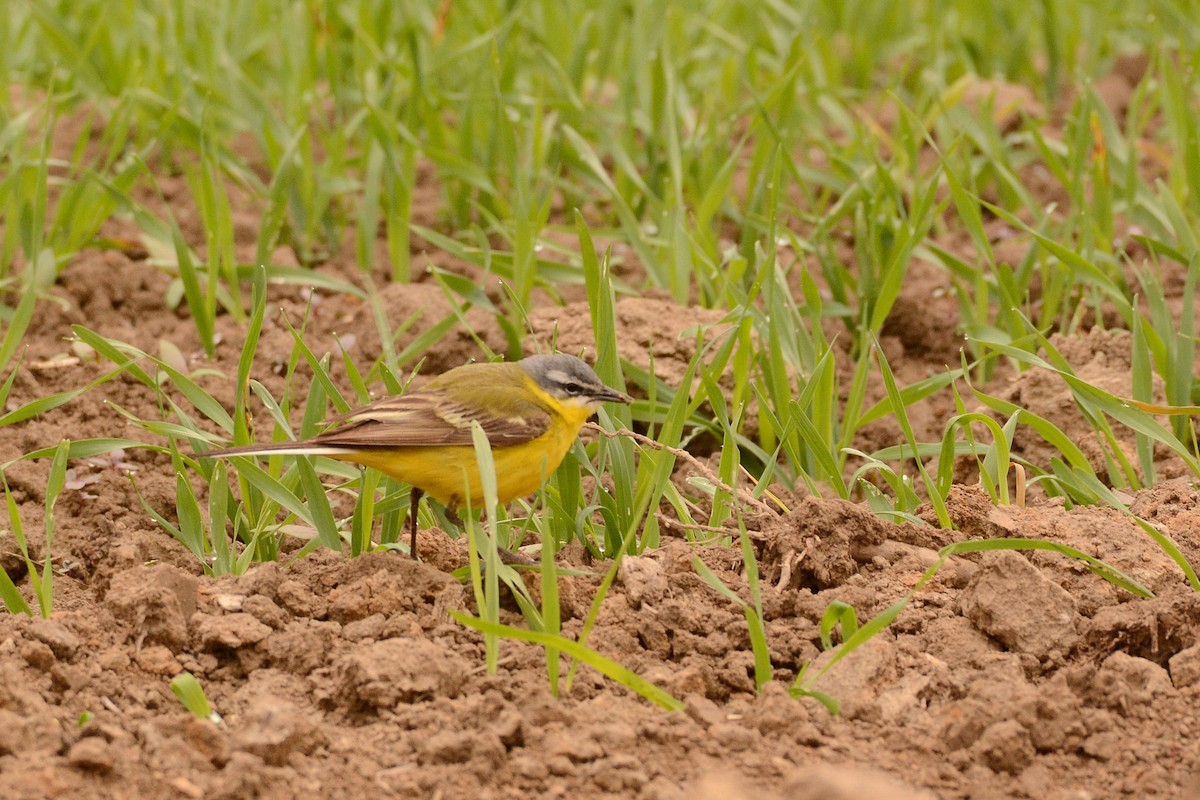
13,600
202,304
191,696
1164,541
838,613
581,654
889,381
763,671
191,525
54,487
273,488
490,607
1105,571
18,323
218,514
805,682
43,404
321,513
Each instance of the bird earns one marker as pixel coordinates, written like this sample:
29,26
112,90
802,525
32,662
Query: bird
531,411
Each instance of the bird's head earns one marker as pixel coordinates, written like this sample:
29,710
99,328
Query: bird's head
571,381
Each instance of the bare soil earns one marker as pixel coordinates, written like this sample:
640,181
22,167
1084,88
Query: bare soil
1009,676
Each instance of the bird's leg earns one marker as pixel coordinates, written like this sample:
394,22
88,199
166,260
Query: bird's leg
415,501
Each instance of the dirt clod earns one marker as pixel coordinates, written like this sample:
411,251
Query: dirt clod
450,747
827,782
1014,602
1127,683
1006,747
157,601
230,631
382,674
91,754
1185,668
273,729
60,640
858,678
643,580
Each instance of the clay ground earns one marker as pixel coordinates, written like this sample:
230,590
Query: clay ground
1009,675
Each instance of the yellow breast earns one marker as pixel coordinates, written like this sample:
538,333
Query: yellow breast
450,474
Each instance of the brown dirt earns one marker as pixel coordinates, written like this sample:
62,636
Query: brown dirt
1008,676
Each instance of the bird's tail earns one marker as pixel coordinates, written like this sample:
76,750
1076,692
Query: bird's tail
280,448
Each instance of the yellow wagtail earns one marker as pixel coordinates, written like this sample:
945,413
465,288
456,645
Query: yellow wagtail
531,411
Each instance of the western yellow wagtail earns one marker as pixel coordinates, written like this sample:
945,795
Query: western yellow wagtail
531,411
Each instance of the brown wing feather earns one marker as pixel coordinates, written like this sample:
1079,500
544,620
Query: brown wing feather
430,416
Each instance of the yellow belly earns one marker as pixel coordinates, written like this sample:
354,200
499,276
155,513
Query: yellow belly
451,474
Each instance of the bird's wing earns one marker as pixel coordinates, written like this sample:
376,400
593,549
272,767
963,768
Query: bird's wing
507,413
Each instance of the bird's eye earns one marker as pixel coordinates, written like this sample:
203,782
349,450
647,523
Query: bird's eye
573,388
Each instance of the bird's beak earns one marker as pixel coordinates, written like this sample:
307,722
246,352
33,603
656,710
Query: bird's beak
607,395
